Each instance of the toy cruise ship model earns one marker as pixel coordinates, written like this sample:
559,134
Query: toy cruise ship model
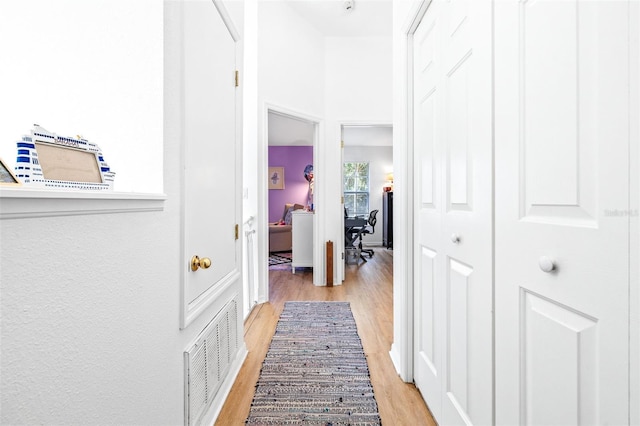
47,160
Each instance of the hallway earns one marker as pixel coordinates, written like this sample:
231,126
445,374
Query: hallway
368,286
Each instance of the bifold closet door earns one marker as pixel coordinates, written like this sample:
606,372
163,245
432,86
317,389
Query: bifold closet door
452,209
562,187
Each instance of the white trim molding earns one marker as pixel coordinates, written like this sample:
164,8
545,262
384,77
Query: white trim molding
405,24
20,203
263,198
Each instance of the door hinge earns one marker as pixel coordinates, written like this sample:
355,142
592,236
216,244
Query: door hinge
237,232
341,200
341,144
237,78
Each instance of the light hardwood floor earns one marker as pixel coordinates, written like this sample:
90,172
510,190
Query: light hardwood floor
368,286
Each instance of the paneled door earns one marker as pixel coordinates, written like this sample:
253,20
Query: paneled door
452,103
562,218
212,170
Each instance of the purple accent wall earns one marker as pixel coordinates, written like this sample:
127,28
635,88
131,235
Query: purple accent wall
293,159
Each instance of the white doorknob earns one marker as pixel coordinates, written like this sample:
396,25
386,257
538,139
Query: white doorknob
455,238
546,264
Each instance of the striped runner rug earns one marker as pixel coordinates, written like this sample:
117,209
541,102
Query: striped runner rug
315,372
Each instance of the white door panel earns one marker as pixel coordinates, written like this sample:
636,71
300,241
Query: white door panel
562,148
452,162
562,391
428,274
459,281
428,339
560,117
467,222
210,155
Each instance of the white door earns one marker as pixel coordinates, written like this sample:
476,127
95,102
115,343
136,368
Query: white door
211,169
453,211
562,200
428,280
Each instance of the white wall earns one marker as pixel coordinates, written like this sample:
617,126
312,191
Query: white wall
290,60
290,78
358,74
90,304
71,66
334,79
358,90
90,308
367,135
380,159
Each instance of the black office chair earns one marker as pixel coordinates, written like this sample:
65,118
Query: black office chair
369,229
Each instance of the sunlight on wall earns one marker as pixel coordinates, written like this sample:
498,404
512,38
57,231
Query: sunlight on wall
87,67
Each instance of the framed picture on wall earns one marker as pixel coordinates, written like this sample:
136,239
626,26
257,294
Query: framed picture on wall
276,177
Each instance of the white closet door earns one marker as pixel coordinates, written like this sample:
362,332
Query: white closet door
212,171
453,202
562,190
429,286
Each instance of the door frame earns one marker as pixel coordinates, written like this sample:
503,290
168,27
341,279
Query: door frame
403,141
634,195
340,270
263,195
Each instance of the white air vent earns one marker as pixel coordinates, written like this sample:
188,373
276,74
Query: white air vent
207,362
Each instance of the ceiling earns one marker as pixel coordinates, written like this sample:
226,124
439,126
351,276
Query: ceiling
289,131
367,18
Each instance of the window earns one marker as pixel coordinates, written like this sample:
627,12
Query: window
356,188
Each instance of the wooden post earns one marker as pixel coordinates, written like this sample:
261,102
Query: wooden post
329,263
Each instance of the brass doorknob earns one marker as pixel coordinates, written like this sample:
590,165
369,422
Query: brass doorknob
203,263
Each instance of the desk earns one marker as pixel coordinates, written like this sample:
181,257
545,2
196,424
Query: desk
353,227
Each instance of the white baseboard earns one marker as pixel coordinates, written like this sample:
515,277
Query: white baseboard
395,359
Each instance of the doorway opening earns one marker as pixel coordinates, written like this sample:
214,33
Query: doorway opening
367,185
289,190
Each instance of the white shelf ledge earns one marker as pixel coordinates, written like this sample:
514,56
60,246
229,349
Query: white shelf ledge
20,202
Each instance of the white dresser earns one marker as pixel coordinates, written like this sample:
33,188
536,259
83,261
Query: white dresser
302,239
